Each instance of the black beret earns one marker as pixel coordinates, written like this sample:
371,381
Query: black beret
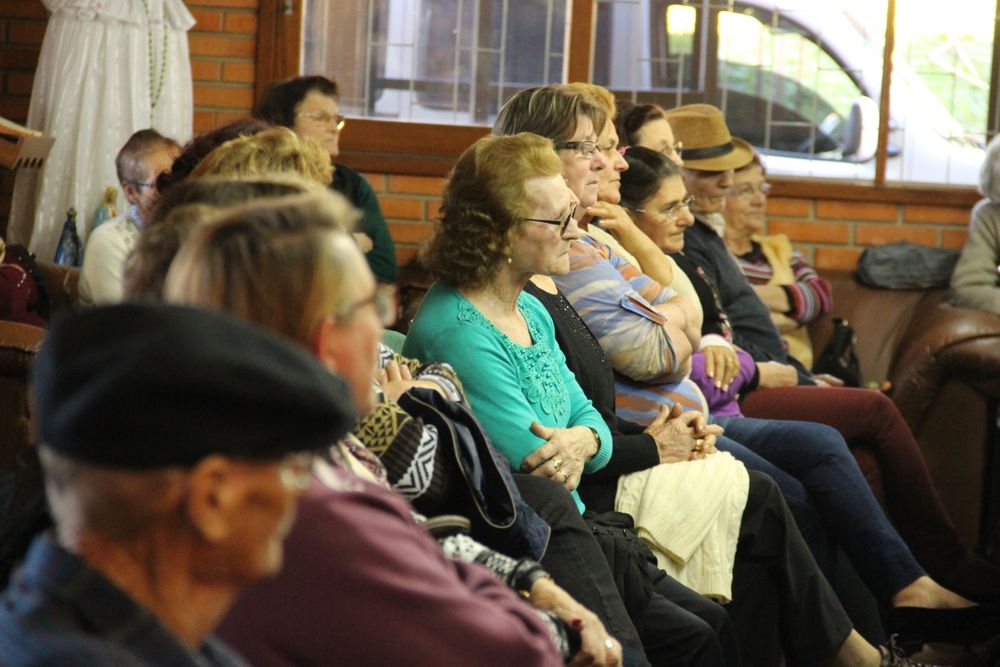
146,386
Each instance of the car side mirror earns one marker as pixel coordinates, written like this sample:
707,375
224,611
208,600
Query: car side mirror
861,130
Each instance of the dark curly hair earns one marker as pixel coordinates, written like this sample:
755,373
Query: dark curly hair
647,169
280,99
196,149
483,204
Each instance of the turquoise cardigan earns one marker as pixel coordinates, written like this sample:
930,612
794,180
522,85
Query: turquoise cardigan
508,385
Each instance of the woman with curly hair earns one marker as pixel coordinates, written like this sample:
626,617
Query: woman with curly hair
506,216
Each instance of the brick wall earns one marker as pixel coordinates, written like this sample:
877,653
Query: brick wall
22,25
223,47
834,233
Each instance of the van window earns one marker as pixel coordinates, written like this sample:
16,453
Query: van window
800,79
779,88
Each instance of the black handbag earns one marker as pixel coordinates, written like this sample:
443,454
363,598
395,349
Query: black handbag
470,477
905,265
839,358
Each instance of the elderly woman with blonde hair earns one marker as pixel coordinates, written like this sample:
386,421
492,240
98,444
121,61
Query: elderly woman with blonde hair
357,562
275,149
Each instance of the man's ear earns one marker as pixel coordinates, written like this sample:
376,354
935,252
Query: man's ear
325,344
131,193
214,496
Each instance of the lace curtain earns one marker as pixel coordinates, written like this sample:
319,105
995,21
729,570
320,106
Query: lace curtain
107,68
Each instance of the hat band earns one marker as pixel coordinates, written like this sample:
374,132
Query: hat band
708,152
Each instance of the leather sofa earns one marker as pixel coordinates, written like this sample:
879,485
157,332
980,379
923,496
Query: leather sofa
943,366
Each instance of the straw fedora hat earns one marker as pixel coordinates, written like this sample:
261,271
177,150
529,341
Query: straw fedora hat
708,146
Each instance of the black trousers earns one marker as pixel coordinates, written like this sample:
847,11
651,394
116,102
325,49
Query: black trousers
781,601
679,627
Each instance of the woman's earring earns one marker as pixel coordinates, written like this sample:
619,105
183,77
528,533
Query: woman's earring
509,260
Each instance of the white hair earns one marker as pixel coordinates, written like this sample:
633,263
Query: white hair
989,173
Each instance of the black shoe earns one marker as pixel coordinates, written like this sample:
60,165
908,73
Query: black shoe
893,656
917,625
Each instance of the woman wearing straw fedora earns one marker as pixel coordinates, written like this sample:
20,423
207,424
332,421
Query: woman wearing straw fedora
864,418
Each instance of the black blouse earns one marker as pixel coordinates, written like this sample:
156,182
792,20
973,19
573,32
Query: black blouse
633,450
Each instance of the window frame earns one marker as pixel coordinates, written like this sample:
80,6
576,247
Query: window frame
430,150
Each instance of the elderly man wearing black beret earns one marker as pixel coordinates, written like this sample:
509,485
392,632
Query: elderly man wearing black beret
174,443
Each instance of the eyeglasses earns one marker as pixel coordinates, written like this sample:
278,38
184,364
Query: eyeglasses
672,212
324,118
385,303
676,147
563,224
748,191
586,149
142,184
296,471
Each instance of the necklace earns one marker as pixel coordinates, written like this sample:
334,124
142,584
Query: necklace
155,81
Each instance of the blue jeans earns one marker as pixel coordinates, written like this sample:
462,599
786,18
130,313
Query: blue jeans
825,489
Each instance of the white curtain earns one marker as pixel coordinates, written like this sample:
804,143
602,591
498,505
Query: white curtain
103,65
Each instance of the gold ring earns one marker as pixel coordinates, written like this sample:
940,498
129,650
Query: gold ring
699,444
557,464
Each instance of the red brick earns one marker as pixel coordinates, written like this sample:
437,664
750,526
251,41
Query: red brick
217,45
410,233
416,185
227,97
203,121
377,182
25,9
399,207
224,117
235,71
948,215
205,70
18,58
19,83
811,230
868,234
14,108
789,207
433,209
250,4
405,254
241,23
27,32
953,238
837,258
839,210
206,21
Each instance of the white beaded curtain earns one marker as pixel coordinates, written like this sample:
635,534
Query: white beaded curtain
107,68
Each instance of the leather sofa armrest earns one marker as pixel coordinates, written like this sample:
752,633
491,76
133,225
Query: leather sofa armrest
62,285
941,342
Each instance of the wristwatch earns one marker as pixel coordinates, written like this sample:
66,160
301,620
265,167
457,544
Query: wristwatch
526,581
597,437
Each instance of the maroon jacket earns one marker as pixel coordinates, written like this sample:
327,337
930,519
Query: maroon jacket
363,584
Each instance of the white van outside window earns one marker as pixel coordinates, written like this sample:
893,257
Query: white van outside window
799,79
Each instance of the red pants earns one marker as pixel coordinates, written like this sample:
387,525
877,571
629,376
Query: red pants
869,421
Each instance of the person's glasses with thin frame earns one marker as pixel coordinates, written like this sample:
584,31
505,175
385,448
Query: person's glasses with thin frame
563,224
